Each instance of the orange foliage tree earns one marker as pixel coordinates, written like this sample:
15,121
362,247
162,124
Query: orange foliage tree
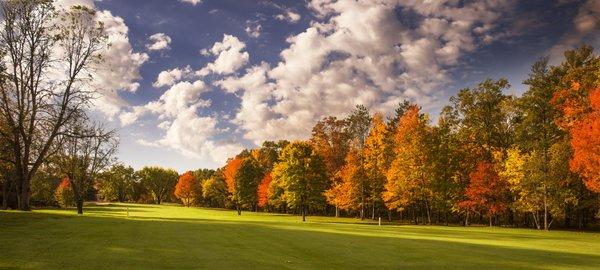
585,140
230,171
187,188
263,190
486,192
64,194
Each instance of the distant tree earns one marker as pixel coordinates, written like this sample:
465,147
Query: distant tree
188,189
375,163
347,192
302,175
214,191
203,174
409,175
263,190
158,181
486,192
359,124
64,194
117,183
242,175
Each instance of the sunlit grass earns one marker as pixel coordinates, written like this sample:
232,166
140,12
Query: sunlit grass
183,238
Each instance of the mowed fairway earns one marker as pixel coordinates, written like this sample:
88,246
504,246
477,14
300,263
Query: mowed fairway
174,237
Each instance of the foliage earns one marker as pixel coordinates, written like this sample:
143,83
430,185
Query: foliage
188,189
159,182
263,189
214,191
64,194
117,183
486,191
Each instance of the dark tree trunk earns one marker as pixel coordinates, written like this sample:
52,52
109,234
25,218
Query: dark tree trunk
79,204
237,207
373,211
303,213
25,194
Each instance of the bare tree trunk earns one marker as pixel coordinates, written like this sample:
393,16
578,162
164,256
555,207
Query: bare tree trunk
373,211
428,212
337,211
545,208
490,218
237,207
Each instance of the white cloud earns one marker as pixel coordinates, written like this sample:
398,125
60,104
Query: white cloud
230,56
158,42
359,52
192,2
170,77
289,16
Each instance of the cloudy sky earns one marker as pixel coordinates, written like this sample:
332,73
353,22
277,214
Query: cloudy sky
189,83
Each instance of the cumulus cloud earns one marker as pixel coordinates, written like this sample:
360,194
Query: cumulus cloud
158,42
170,77
230,56
359,52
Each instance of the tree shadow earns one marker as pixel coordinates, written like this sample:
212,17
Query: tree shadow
59,241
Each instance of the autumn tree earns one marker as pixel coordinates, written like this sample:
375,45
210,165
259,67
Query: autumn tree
408,178
375,165
214,191
188,189
47,55
346,193
242,175
64,194
586,144
158,181
302,175
263,190
486,192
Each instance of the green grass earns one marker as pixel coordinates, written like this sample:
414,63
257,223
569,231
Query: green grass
174,237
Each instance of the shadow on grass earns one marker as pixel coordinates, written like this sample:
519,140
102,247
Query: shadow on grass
58,241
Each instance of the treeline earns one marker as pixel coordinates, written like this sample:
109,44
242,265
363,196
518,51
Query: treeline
492,158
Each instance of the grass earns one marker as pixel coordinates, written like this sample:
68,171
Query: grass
174,237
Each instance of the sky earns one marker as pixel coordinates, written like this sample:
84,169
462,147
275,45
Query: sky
189,83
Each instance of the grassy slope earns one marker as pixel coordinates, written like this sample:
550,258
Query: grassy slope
174,237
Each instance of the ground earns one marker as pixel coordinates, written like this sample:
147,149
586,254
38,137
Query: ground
175,237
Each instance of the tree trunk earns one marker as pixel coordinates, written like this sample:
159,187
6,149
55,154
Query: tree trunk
490,218
428,212
303,213
25,194
5,193
467,218
389,212
79,204
373,211
237,207
337,212
545,209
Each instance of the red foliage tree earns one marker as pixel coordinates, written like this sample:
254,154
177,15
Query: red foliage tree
585,140
486,192
230,172
187,188
263,190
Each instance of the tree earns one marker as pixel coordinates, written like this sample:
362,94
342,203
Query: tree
188,189
536,128
64,194
409,176
42,87
263,190
117,183
242,175
302,175
359,123
159,181
85,151
486,192
374,154
214,191
348,190
586,144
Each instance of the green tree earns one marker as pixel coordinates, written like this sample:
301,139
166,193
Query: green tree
302,175
214,191
158,181
117,183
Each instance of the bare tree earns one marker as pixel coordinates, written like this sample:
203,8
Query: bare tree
47,58
85,151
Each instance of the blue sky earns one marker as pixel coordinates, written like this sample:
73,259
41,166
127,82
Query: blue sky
240,72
